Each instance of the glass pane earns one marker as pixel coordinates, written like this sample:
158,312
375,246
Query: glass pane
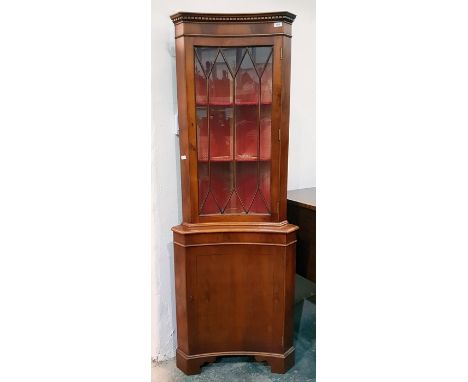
210,205
247,82
233,57
222,182
220,83
246,182
206,57
202,133
265,170
261,203
246,132
203,183
266,83
265,132
221,135
258,205
260,56
234,206
200,84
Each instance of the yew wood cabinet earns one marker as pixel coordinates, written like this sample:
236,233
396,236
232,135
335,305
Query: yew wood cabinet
234,252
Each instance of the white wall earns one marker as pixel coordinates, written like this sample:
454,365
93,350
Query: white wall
166,195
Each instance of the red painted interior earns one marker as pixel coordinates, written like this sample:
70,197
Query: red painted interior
234,137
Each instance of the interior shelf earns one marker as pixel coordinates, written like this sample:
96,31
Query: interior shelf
241,103
230,159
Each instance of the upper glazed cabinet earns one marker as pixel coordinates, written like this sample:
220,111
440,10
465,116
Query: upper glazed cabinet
233,86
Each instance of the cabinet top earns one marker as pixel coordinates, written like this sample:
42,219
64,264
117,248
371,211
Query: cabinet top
267,17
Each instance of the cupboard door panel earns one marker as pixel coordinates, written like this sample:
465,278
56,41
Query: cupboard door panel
233,101
235,286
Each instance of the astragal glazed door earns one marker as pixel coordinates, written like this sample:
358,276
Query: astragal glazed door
233,91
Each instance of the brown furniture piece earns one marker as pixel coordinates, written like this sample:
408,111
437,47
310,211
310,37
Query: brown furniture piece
234,252
301,211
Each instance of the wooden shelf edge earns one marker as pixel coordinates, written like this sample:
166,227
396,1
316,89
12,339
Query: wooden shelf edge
264,227
236,160
230,104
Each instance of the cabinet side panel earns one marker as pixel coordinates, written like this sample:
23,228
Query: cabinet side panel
191,144
290,271
180,270
275,127
183,126
286,80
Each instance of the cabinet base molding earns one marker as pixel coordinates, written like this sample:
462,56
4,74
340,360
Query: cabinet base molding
191,364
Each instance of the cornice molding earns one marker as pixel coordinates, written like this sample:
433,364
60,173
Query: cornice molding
190,17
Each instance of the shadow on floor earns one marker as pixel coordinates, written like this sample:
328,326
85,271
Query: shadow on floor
243,369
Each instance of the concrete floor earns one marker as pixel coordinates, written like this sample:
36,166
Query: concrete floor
243,369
